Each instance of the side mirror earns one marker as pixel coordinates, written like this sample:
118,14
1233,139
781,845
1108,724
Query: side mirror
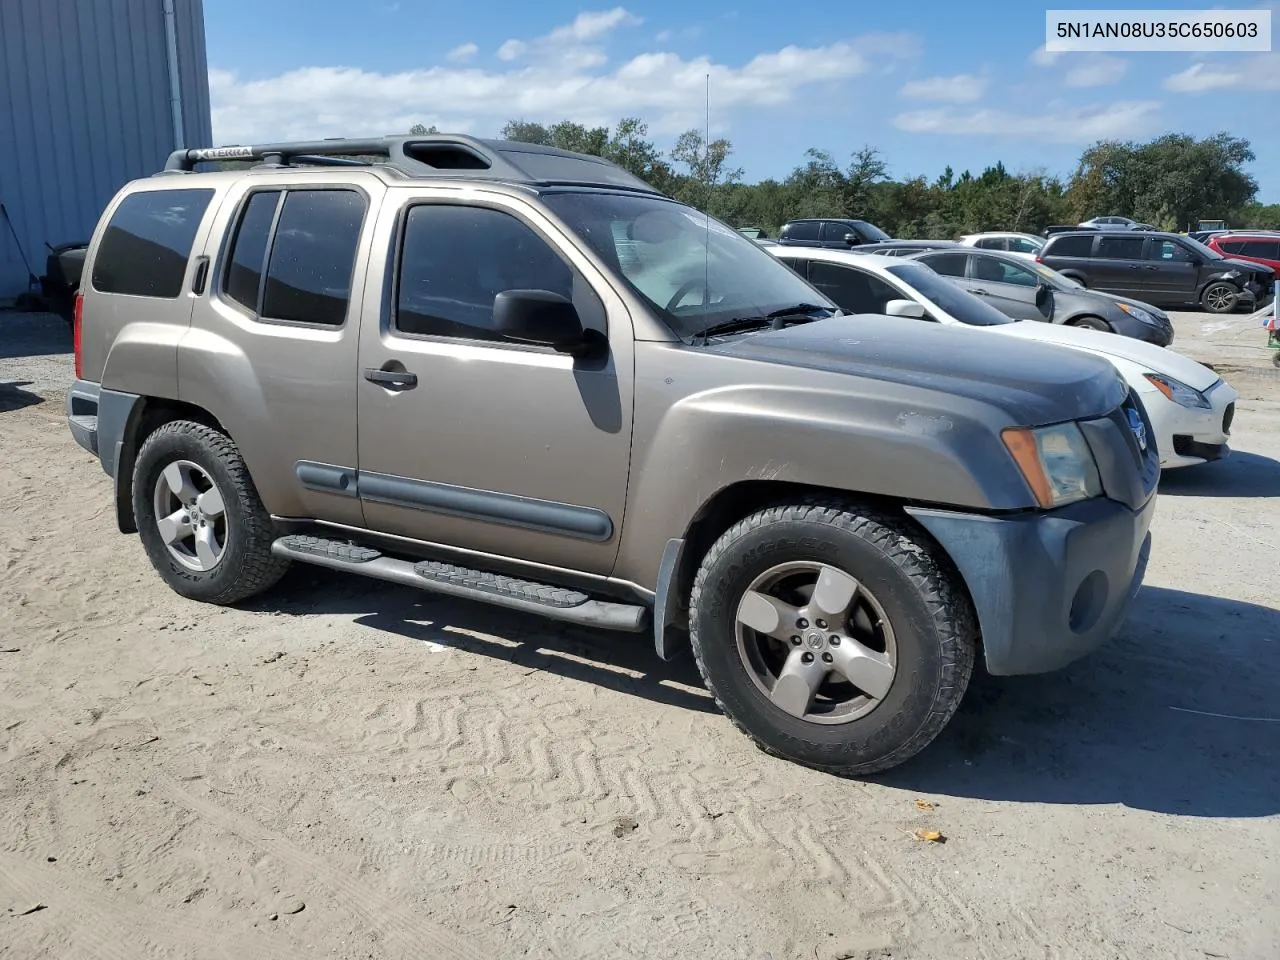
1043,293
904,308
538,317
852,239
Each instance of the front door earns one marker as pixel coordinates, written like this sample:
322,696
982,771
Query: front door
1172,272
485,444
1008,287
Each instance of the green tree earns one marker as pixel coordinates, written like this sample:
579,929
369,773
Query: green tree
419,130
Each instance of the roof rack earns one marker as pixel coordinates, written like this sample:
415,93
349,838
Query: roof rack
431,155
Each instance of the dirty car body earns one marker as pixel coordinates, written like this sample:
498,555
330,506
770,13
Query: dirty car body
608,410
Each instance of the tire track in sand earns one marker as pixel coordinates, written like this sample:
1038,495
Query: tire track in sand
410,934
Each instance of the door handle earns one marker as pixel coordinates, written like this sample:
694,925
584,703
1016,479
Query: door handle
201,277
392,379
981,293
1134,266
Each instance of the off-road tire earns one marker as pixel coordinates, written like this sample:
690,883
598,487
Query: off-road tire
247,566
920,590
1091,323
1220,297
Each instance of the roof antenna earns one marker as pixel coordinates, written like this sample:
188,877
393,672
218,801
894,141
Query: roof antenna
706,241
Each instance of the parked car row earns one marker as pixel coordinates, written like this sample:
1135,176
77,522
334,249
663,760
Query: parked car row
1191,407
1113,254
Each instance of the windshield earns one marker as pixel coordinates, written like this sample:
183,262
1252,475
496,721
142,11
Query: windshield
871,231
694,272
961,304
1056,280
1201,249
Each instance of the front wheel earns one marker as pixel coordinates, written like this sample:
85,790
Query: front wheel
835,637
1091,323
199,516
1220,297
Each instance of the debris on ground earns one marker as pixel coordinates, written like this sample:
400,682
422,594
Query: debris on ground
930,836
624,826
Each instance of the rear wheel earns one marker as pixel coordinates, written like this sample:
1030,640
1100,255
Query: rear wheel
835,637
199,516
1220,297
1091,323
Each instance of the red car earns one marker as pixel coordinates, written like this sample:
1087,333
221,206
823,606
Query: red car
1258,246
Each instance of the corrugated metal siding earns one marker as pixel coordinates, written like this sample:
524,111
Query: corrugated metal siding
84,108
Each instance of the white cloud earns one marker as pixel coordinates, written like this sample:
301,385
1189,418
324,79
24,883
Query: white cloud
1200,78
1096,71
1071,125
666,89
964,88
593,25
1258,72
511,49
462,53
1044,58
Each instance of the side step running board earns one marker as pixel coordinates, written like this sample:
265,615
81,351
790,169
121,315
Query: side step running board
557,603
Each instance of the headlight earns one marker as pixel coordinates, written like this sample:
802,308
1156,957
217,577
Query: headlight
1179,392
1056,462
1138,313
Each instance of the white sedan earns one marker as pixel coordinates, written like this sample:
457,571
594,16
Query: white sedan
1189,405
1025,245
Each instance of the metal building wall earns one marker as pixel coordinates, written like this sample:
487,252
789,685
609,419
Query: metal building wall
85,107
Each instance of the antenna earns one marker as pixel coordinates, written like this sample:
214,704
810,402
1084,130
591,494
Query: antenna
706,240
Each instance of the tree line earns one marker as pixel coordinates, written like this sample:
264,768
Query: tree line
1172,182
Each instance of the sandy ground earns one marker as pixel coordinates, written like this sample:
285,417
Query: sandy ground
344,769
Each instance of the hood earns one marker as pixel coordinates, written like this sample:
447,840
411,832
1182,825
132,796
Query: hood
1140,304
1245,266
1032,383
1156,359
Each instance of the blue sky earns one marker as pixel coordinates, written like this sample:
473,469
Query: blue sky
930,83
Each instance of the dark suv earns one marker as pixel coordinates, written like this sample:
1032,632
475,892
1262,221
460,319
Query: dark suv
1166,269
835,234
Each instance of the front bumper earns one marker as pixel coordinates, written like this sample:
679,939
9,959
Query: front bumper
1186,436
1048,587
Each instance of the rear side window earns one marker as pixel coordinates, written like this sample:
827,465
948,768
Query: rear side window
991,243
249,249
1069,247
313,254
1120,248
308,240
1231,246
1262,249
146,246
947,264
801,231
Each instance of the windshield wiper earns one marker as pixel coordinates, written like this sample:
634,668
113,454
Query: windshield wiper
774,320
797,310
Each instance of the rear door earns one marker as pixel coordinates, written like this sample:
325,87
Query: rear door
1172,271
272,347
1119,266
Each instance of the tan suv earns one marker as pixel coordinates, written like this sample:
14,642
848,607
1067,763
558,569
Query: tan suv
524,377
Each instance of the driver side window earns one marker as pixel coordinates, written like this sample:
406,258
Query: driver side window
454,260
851,289
998,271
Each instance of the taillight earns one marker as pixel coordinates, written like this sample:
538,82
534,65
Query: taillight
75,330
